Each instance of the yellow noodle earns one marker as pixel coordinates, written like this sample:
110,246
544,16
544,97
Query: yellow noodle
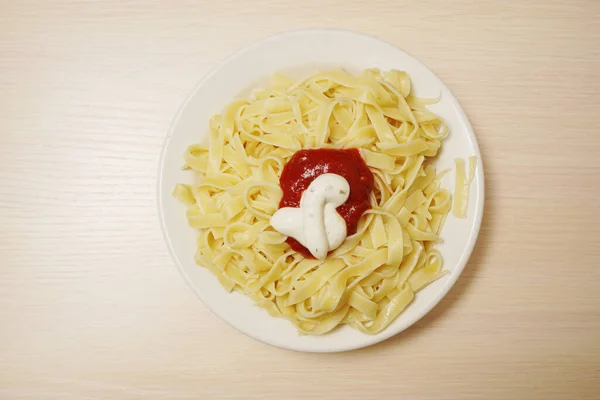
462,186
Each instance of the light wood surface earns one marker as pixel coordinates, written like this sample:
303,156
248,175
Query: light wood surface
91,305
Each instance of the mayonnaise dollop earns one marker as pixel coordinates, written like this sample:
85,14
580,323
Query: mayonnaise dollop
316,224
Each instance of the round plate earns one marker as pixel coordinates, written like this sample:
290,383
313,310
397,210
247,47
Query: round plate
300,53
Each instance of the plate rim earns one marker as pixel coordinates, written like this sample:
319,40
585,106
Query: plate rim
369,339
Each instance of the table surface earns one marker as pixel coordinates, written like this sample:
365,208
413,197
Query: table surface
91,305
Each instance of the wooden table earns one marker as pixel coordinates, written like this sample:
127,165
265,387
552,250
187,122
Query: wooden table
91,305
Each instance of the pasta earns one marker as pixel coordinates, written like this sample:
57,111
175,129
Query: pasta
462,186
373,276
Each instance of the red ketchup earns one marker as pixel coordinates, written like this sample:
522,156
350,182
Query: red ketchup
306,165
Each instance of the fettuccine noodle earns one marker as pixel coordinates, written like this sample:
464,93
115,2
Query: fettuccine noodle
462,186
373,276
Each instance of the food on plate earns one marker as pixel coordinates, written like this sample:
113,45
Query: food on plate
318,198
305,179
462,186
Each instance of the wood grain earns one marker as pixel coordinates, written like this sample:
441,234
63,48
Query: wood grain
91,305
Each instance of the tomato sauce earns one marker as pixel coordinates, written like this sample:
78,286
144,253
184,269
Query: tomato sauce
306,165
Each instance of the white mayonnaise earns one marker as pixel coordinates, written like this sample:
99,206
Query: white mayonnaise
316,224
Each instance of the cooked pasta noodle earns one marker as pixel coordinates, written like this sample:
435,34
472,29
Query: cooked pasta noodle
373,276
462,186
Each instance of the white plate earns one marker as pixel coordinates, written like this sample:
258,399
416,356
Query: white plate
300,53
